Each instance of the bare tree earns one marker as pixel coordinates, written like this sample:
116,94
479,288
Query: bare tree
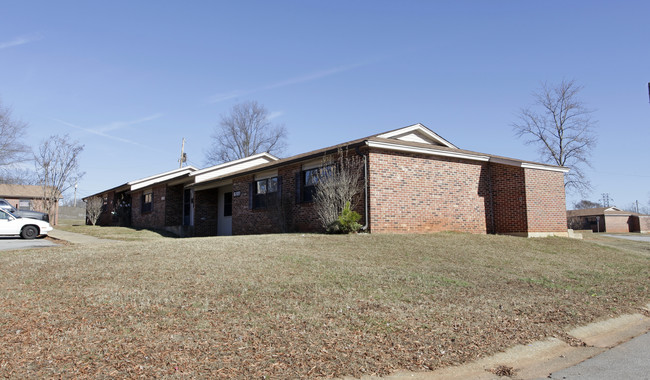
562,128
18,176
245,131
12,149
94,208
57,167
337,183
583,204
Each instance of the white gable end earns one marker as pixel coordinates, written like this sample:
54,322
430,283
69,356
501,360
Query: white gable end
417,133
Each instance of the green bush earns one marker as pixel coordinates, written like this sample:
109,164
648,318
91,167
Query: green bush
347,222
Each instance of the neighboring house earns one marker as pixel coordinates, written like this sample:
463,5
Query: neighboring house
415,182
608,219
27,197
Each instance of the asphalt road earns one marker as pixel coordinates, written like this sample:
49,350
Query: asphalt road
628,237
11,243
630,360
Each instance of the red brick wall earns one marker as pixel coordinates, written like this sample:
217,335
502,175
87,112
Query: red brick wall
545,201
297,215
153,219
412,193
206,212
509,197
174,206
617,223
643,222
245,220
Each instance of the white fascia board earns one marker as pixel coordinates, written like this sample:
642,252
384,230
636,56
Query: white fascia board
429,151
217,168
232,167
421,128
142,183
528,165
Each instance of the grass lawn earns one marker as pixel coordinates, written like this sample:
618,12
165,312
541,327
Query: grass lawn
299,306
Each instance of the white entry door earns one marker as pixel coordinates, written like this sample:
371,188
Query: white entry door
224,208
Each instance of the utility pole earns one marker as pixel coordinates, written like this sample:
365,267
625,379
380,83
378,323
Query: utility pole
183,155
637,206
75,195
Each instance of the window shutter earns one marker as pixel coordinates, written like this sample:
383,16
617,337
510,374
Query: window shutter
250,195
298,186
279,187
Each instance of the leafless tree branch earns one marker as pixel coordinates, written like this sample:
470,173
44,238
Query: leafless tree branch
12,150
338,183
94,207
57,168
563,131
245,131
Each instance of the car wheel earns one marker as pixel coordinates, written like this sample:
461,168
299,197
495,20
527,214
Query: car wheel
29,232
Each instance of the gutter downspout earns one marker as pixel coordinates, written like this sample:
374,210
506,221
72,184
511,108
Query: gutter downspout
365,185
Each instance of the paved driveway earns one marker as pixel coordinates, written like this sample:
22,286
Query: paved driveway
628,237
11,243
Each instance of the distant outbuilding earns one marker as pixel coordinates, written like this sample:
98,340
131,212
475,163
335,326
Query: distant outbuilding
608,219
27,197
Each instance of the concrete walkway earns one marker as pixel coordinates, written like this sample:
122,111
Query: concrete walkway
75,238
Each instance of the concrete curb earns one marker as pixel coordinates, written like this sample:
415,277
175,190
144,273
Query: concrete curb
539,359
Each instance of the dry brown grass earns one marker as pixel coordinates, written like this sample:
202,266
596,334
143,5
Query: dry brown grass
300,306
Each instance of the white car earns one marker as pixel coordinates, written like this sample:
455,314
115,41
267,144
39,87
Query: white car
27,228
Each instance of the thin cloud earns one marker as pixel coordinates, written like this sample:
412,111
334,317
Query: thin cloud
122,124
275,114
101,130
301,79
20,41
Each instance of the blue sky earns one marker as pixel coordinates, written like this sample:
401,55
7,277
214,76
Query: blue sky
130,79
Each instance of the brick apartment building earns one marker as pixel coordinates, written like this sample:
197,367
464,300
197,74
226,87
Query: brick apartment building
414,182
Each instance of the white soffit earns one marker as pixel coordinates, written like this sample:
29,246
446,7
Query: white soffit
232,167
266,174
212,185
318,163
417,133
